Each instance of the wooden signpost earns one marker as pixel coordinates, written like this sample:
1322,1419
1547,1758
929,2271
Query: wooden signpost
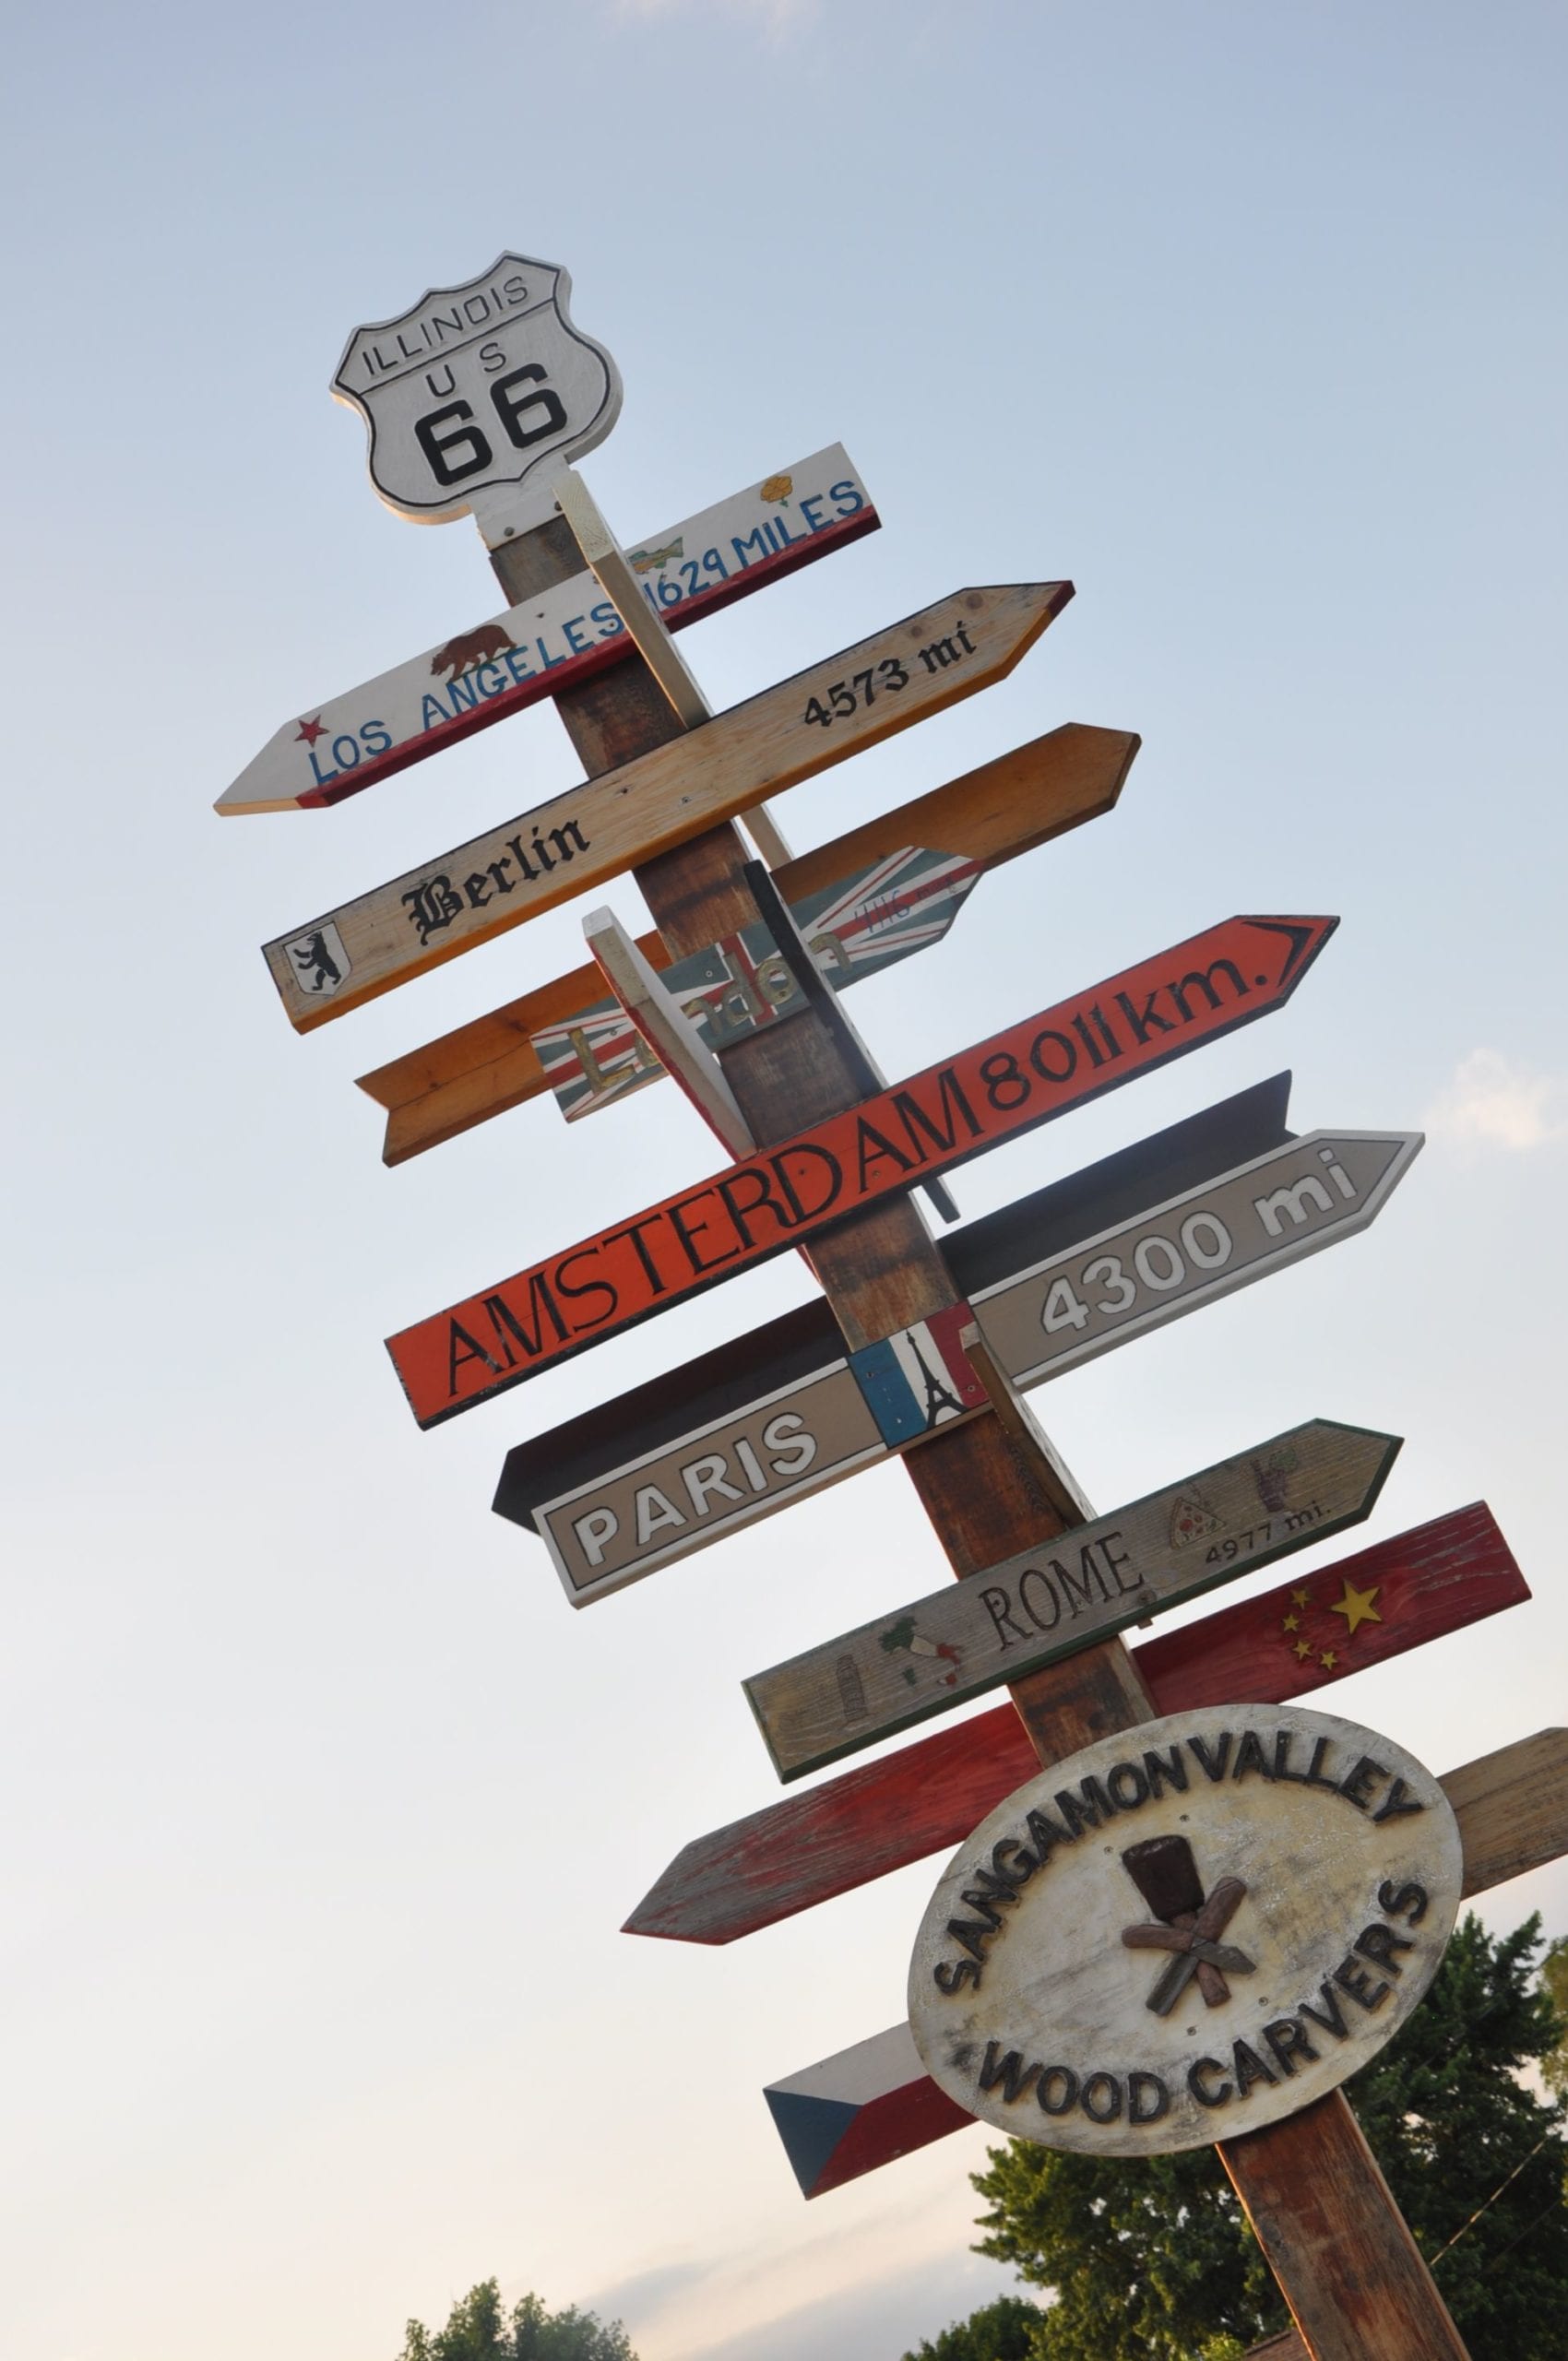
922,1659
623,1491
477,677
629,812
863,1824
1129,1024
990,815
475,399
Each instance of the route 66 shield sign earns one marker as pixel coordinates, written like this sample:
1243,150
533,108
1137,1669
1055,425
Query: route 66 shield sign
477,388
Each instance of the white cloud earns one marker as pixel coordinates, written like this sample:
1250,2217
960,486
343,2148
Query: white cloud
1494,1102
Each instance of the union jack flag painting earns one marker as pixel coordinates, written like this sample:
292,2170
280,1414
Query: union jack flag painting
901,904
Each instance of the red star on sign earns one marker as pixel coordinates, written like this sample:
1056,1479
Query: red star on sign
309,732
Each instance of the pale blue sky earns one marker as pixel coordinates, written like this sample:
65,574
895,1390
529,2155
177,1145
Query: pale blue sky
324,1811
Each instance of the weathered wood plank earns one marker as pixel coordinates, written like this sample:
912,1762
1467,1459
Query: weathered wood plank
1513,1808
1042,1604
657,800
993,814
686,1059
867,2105
836,1169
1438,1578
1347,2266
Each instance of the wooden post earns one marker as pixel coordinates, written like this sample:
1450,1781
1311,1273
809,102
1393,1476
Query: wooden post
1336,2243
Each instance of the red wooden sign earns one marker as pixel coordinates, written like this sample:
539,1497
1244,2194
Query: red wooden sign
1310,1631
1208,986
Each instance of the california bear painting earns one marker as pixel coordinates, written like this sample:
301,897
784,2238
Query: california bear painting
470,647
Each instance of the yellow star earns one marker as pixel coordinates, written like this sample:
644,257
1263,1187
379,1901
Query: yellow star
1328,1659
1303,1648
1292,1623
1300,1596
1357,1606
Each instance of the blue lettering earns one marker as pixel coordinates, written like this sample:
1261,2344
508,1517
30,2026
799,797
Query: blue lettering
316,772
575,640
434,713
345,762
847,499
490,687
810,504
381,743
605,616
463,693
763,546
516,664
551,663
785,538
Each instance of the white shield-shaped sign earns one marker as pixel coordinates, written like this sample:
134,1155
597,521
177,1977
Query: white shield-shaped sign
476,389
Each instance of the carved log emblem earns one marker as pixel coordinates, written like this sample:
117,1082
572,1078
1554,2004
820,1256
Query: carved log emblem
1164,1873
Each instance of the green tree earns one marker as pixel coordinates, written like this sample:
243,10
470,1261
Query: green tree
1554,1976
479,2329
1154,2261
1000,2332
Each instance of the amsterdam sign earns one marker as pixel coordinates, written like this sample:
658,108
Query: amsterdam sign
1049,1601
554,641
476,388
591,833
625,1511
1186,1931
1195,991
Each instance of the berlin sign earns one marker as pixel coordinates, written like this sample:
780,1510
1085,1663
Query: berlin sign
593,832
552,642
477,388
1193,992
1005,808
1186,1931
1047,1602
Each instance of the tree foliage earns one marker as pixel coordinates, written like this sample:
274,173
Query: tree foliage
1554,1976
479,2329
1154,2262
1000,2332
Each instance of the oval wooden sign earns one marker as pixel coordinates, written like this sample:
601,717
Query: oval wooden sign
1186,1931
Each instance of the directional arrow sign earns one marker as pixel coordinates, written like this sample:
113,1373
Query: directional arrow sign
874,2103
866,1822
594,832
1044,1603
1197,991
1005,808
591,1468
553,642
796,1418
598,1057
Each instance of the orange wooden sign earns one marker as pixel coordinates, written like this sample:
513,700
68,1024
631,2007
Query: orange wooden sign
1240,969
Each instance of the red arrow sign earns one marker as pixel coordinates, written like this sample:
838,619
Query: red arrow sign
1240,969
860,1826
